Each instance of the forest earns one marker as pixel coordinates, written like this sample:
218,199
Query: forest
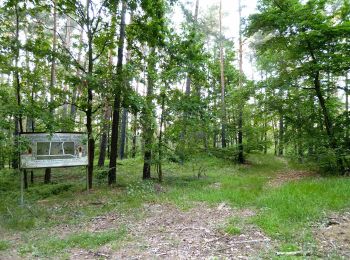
230,119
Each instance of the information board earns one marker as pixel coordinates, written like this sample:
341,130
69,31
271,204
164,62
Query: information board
43,150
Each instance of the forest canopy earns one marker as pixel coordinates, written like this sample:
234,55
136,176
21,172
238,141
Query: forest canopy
141,85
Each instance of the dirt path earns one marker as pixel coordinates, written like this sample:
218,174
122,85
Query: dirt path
333,236
168,232
290,175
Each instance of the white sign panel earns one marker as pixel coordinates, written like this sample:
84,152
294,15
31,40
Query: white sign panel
42,150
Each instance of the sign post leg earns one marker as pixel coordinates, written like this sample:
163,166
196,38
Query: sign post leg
22,187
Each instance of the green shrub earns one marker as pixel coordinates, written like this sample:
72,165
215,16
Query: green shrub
4,245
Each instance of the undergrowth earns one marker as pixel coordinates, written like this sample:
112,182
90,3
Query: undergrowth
284,213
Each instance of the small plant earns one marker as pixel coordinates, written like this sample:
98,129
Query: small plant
53,246
233,230
101,174
4,245
140,189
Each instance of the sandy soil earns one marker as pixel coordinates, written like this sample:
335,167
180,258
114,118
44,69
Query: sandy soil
168,232
290,175
333,236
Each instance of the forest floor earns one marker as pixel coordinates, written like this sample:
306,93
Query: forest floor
265,209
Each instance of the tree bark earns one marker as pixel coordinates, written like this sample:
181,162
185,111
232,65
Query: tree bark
123,134
160,140
148,128
107,112
328,122
103,142
18,115
134,129
222,82
47,177
91,140
281,136
112,175
347,131
73,108
240,113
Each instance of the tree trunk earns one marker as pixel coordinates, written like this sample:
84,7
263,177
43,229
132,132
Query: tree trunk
327,121
148,125
67,42
347,131
281,136
222,81
91,140
73,108
123,134
265,136
160,140
107,112
47,177
103,142
112,176
240,113
30,128
134,128
18,116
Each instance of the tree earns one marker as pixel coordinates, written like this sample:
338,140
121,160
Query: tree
117,99
47,177
222,82
313,45
240,112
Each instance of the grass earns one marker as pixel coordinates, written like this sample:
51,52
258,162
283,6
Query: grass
4,245
84,240
234,226
288,210
284,213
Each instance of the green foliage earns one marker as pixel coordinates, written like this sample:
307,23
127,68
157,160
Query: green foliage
233,227
101,174
288,210
54,246
228,153
300,90
4,245
285,212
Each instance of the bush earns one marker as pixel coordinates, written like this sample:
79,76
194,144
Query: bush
101,174
230,153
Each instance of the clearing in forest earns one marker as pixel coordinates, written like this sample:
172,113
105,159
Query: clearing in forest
231,212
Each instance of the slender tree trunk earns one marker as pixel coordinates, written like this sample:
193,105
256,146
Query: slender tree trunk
134,130
107,111
30,128
18,115
160,140
326,116
240,112
73,108
222,81
281,136
265,136
134,136
112,176
328,121
275,136
123,134
148,125
89,113
47,177
347,131
103,142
